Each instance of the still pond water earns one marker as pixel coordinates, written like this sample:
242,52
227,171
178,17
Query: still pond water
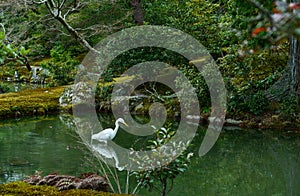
243,162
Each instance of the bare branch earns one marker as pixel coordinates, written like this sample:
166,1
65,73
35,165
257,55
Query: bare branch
76,8
59,10
62,4
107,28
56,13
49,8
52,4
32,2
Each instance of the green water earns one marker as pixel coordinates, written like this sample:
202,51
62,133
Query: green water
41,144
243,162
246,162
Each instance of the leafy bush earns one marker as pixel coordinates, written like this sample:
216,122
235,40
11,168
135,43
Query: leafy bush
135,56
249,77
4,88
255,103
61,66
103,93
12,52
290,107
161,176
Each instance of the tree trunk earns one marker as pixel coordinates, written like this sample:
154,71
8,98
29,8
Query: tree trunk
289,82
26,62
138,14
294,64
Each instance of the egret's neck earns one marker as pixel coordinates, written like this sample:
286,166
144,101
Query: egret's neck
117,126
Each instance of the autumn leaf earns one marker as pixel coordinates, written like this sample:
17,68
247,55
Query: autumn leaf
256,31
276,11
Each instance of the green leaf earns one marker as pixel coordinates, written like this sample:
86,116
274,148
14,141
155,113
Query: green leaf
23,51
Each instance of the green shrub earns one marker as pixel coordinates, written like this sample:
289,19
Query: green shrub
4,88
61,67
290,107
255,103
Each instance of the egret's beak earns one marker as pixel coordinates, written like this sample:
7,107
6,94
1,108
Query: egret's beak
125,124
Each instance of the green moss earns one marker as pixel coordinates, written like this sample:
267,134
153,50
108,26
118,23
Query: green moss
23,188
30,102
40,61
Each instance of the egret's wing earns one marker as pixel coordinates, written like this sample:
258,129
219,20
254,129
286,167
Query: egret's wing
105,134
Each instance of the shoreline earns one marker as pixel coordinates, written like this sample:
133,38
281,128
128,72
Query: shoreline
45,101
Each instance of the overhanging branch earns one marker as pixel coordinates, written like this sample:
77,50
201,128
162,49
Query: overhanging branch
56,13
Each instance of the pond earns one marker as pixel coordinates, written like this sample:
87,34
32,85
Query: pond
242,162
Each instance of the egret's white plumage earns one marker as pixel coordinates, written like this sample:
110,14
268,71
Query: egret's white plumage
108,134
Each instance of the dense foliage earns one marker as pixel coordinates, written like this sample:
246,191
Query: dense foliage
61,67
238,34
250,41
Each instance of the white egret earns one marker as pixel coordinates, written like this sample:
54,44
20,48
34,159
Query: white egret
108,134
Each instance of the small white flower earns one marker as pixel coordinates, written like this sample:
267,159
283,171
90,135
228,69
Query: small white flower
190,155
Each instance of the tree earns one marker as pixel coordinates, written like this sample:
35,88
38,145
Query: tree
10,48
41,25
10,53
61,11
281,23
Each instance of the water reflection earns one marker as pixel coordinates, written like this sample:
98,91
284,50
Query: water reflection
243,162
106,151
38,144
132,157
289,163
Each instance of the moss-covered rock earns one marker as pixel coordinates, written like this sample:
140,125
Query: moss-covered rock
23,188
30,102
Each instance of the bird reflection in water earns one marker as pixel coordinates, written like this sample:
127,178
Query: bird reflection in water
101,145
107,151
